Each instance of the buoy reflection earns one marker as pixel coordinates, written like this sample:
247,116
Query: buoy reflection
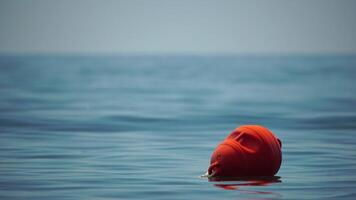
238,184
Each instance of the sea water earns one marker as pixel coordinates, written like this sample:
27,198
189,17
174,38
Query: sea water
144,127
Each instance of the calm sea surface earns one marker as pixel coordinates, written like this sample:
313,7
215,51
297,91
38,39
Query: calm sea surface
144,127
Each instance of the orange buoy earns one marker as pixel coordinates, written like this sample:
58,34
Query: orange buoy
250,150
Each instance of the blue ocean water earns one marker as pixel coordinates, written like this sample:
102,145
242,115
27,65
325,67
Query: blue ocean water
143,127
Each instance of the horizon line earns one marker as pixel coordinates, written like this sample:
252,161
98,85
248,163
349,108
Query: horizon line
158,54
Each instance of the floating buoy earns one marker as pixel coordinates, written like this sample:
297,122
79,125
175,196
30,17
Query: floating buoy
250,150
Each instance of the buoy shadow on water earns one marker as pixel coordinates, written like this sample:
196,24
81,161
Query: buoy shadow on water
237,183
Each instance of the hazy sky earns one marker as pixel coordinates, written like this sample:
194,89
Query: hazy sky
180,26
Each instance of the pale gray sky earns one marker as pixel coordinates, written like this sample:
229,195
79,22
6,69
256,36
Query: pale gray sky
180,26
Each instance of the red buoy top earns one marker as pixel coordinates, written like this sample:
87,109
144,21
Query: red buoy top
250,150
